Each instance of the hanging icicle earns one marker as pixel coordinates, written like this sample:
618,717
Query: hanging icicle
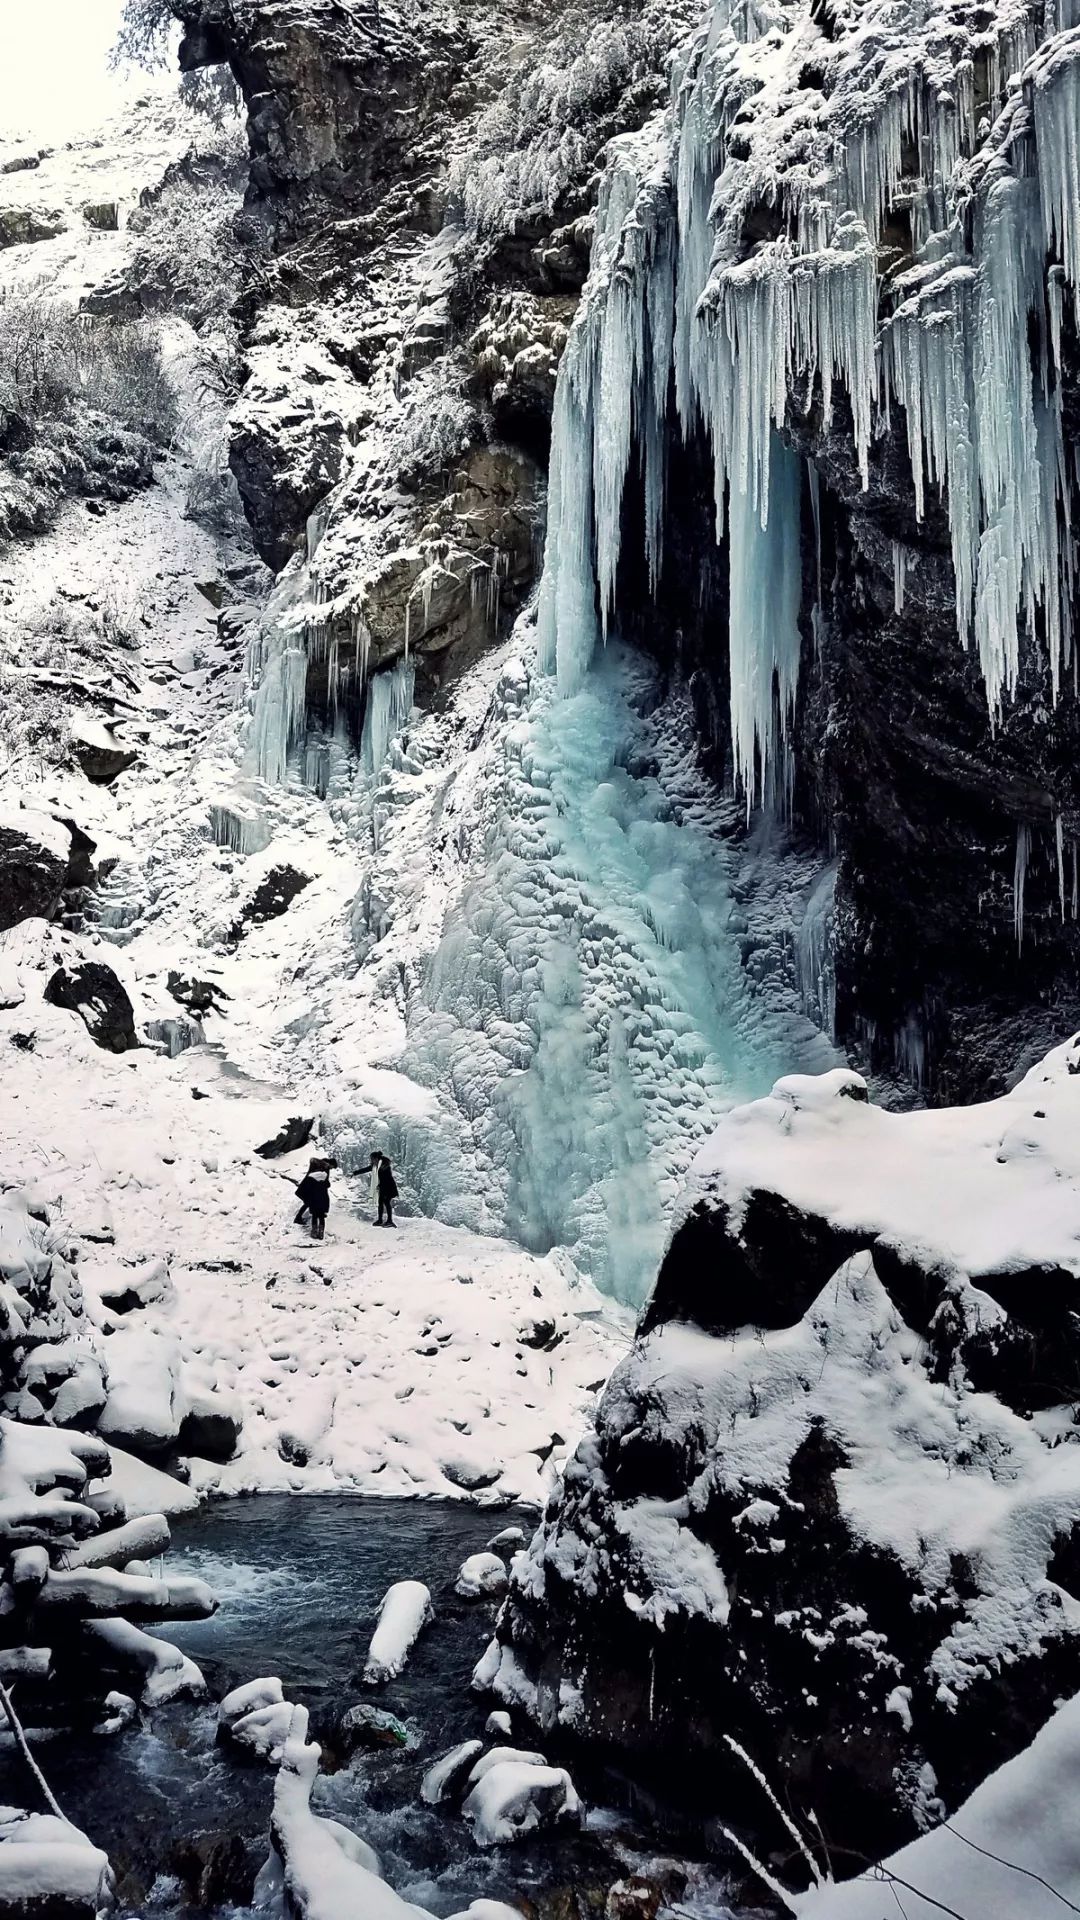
749,333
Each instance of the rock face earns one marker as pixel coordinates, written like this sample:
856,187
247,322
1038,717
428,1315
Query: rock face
403,335
22,226
99,753
831,1509
35,852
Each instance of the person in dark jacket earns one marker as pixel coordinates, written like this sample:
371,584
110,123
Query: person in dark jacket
380,1167
313,1193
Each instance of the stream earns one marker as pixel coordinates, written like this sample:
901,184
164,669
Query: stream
300,1582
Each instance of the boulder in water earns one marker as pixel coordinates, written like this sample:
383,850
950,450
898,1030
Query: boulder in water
365,1729
515,1798
446,1779
482,1576
406,1611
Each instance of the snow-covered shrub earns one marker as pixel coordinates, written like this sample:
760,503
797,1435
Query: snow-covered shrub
54,362
539,139
188,259
439,428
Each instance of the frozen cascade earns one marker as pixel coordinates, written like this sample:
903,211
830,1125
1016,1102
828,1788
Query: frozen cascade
751,339
585,1016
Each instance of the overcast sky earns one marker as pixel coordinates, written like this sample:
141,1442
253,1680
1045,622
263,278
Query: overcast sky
54,73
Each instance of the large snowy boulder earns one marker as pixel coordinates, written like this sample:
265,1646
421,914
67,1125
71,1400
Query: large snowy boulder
146,1402
93,991
34,855
831,1507
99,753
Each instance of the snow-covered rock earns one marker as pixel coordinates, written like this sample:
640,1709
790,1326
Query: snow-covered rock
99,753
256,1719
325,1871
832,1503
482,1576
96,993
145,1406
405,1612
515,1798
447,1777
49,1866
35,851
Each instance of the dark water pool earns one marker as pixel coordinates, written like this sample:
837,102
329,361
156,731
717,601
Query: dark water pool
300,1582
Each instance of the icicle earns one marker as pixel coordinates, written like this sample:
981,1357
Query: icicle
389,704
1059,844
1023,850
280,714
764,640
1056,96
814,489
899,571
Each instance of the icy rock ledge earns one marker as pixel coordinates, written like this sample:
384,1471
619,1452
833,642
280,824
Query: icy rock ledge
831,1506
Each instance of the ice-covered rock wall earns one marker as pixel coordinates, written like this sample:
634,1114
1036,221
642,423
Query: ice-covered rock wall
847,257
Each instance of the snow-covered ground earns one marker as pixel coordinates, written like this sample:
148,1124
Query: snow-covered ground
430,1360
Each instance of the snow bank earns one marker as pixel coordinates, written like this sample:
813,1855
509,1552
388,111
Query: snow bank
1012,1849
405,1612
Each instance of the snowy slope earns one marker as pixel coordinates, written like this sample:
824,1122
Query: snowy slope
103,172
1009,1851
429,1361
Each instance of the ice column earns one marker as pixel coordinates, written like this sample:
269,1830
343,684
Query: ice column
389,704
765,594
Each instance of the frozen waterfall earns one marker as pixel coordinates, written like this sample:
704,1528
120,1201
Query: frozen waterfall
584,1016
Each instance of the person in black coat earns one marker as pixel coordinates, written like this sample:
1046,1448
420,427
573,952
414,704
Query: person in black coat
313,1193
380,1166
